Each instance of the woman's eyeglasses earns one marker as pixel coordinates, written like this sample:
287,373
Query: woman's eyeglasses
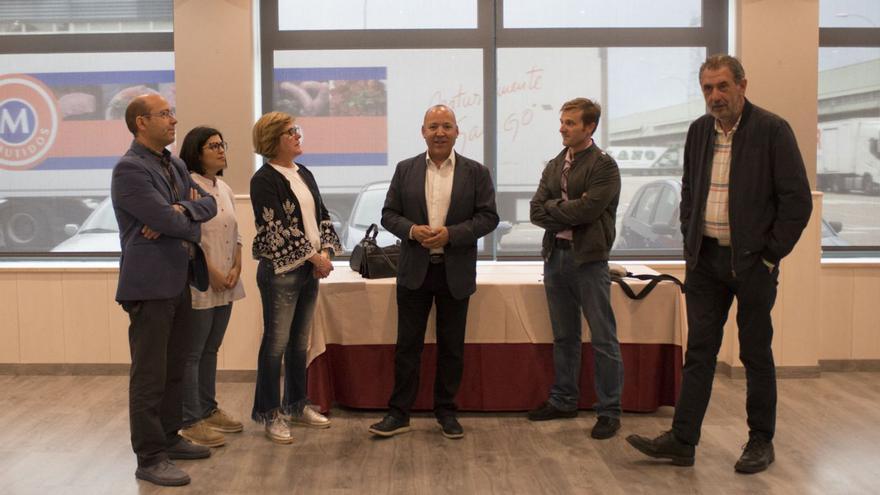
295,131
217,146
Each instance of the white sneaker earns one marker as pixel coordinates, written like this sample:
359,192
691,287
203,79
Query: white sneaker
309,417
278,431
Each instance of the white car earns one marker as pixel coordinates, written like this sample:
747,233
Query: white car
99,233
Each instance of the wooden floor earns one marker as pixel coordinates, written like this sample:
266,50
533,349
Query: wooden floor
69,435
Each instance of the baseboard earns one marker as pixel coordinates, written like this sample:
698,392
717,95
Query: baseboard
63,369
782,372
59,369
849,364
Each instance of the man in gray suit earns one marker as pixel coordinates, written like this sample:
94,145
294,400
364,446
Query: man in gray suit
159,210
439,203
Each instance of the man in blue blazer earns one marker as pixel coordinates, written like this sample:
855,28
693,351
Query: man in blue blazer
159,210
439,203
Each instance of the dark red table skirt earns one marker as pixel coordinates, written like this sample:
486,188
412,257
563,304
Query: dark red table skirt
497,377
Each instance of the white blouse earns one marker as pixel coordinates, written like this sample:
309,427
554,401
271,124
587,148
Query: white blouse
220,238
306,203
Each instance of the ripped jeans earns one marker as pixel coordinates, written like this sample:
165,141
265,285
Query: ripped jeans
288,306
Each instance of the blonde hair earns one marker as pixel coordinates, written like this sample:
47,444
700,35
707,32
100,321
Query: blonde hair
268,130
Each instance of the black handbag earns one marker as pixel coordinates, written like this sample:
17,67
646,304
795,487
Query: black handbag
374,261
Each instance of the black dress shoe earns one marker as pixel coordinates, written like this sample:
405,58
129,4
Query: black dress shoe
666,446
605,427
548,411
163,473
183,449
451,427
756,457
390,426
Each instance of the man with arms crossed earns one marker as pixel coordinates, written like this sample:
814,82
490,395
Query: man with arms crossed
159,210
576,203
745,200
439,203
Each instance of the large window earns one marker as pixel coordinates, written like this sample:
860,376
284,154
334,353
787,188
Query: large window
63,94
848,155
359,75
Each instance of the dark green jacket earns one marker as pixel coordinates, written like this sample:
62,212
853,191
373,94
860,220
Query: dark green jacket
593,191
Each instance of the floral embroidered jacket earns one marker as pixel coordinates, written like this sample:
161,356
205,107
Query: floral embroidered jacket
280,235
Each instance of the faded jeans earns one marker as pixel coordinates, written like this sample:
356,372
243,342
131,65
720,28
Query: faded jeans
571,289
207,328
288,306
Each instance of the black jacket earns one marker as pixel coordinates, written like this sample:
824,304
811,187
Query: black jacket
471,215
594,191
770,201
281,237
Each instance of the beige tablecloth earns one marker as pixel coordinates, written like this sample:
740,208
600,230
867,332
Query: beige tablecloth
509,307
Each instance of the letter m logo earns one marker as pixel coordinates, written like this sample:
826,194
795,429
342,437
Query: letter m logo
14,125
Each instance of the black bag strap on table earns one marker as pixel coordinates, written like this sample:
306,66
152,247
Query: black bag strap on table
653,281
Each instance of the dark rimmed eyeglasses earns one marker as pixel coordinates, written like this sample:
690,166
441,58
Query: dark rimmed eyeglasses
217,146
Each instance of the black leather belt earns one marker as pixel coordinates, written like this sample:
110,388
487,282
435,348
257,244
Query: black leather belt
560,243
438,258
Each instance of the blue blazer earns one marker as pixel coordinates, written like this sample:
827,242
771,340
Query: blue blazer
141,195
471,215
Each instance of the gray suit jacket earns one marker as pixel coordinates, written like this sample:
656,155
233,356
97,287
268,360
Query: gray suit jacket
471,215
141,195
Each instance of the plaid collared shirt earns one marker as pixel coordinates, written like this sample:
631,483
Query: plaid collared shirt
717,215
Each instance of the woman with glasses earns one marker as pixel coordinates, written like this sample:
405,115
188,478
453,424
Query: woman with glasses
294,242
204,152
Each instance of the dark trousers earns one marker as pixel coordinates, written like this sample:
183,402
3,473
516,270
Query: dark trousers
711,287
157,337
413,307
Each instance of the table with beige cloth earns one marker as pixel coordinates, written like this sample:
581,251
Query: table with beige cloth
508,343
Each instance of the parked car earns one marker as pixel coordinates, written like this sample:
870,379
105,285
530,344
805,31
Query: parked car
651,220
99,233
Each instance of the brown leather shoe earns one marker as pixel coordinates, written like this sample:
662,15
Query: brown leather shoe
221,421
200,434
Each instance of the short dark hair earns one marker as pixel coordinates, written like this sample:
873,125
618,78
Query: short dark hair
137,107
591,110
721,60
191,149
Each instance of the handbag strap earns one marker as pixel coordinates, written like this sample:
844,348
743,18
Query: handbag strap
388,260
372,232
653,281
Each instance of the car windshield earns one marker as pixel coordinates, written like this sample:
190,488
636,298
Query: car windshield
101,220
369,208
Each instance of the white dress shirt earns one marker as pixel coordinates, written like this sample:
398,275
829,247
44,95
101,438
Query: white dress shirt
438,192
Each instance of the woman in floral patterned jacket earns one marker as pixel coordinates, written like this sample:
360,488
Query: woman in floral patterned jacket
294,241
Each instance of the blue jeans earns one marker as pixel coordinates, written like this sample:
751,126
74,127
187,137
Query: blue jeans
288,306
572,289
207,328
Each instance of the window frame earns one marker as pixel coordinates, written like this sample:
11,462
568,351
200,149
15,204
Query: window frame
46,43
847,37
489,36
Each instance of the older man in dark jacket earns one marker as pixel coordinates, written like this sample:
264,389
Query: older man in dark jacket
159,210
745,200
576,203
